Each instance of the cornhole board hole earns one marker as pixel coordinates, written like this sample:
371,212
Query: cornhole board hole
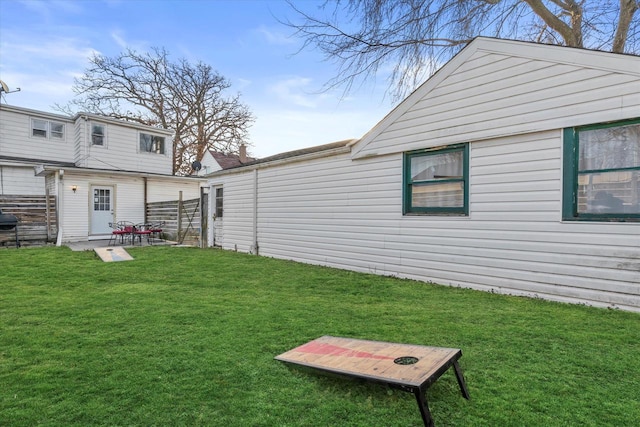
411,368
112,254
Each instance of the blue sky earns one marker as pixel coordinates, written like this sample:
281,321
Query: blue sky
45,44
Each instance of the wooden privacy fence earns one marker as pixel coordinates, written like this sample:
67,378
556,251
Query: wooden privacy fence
36,219
181,219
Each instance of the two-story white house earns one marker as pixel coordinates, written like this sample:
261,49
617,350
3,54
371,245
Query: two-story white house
100,170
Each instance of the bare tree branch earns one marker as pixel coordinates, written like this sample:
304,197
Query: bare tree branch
149,89
407,40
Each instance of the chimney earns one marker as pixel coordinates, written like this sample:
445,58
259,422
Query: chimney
243,153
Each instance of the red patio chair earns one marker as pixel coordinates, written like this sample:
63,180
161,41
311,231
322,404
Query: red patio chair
141,230
122,230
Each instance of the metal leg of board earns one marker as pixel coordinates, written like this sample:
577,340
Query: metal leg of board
460,378
423,405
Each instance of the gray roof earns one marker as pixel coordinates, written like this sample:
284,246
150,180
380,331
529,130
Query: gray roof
297,153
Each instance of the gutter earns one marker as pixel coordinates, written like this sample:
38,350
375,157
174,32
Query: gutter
270,163
42,170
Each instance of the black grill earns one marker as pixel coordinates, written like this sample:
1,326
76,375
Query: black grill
9,222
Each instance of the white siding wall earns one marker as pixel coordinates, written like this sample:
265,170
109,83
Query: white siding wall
128,199
20,181
348,214
159,190
121,150
16,139
492,95
238,212
128,203
209,164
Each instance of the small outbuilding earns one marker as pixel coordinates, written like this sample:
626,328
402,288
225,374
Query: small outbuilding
514,169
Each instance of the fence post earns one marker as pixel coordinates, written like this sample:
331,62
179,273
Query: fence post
48,214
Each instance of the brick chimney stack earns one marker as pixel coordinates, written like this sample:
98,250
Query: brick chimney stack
243,153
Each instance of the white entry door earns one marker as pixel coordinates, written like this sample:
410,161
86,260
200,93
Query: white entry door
101,209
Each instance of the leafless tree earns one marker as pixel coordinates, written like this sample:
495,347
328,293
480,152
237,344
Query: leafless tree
147,88
412,38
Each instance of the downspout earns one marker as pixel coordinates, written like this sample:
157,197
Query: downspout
59,184
144,180
210,200
256,250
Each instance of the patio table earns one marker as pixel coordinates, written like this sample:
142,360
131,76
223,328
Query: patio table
411,368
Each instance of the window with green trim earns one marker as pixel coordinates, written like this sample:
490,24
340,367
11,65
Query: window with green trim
602,172
436,181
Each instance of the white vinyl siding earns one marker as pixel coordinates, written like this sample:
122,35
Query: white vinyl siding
16,138
128,202
162,190
16,180
336,212
510,101
507,95
121,152
238,211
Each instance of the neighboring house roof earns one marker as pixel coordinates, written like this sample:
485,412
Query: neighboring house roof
88,116
122,122
305,151
228,161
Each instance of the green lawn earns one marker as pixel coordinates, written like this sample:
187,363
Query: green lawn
187,337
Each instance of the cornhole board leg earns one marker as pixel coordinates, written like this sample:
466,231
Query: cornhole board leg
421,396
423,405
460,378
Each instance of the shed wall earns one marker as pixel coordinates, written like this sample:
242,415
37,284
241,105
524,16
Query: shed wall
348,214
499,94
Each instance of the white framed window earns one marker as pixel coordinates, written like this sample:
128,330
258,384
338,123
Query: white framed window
41,128
57,130
98,134
151,143
219,202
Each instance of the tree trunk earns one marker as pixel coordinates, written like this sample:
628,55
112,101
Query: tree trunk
627,9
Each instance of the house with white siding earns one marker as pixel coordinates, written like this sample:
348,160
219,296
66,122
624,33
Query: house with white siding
100,170
514,169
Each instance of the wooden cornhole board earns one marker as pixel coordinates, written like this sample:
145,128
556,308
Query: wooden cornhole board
411,368
114,253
